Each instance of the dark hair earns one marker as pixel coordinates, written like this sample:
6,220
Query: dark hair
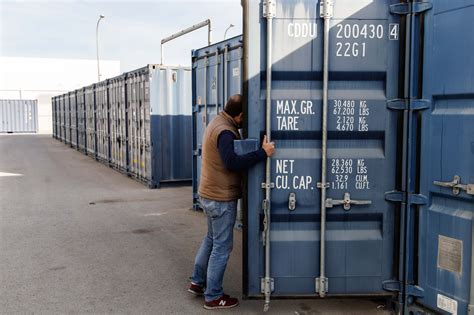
234,105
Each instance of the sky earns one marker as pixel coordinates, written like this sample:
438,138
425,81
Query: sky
131,31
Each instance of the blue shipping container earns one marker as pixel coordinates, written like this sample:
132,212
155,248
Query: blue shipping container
370,191
216,75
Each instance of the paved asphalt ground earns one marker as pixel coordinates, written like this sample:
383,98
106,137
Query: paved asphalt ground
77,237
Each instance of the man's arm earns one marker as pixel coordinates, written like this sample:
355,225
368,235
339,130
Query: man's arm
232,161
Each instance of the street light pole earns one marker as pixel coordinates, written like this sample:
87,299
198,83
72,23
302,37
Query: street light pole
225,33
97,44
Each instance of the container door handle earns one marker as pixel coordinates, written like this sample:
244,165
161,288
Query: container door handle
456,185
346,202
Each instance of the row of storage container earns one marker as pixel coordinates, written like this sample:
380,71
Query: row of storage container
371,189
138,123
18,116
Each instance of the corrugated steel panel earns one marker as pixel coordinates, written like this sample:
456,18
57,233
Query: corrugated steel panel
18,116
216,76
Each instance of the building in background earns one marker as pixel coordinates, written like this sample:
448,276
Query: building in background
42,78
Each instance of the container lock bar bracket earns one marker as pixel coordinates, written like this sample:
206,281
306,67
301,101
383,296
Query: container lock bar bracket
320,185
407,8
400,196
271,286
321,284
269,8
328,12
269,185
407,104
396,286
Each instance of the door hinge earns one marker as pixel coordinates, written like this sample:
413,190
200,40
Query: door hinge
262,285
408,8
269,185
408,104
400,196
396,286
197,152
346,202
456,185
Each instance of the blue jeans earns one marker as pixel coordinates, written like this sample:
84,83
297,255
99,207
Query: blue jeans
211,259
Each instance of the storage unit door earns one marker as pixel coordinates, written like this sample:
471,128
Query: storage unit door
61,117
73,108
360,237
446,160
53,112
81,120
91,122
67,118
118,128
102,122
171,124
138,100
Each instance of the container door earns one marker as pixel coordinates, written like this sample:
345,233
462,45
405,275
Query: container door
207,103
446,160
362,147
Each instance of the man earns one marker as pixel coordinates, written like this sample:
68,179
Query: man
219,190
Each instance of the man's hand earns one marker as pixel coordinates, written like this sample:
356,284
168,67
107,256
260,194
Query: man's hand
268,147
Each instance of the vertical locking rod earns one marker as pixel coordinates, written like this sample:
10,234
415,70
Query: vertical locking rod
322,281
269,13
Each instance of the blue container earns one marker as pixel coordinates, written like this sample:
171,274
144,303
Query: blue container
398,114
216,75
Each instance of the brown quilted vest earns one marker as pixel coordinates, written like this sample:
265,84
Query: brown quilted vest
217,183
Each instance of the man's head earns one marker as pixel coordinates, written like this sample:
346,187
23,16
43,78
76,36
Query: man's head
234,109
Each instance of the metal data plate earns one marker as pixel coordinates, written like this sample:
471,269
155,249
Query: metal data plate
450,254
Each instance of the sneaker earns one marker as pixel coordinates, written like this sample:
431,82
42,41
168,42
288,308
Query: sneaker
196,289
224,301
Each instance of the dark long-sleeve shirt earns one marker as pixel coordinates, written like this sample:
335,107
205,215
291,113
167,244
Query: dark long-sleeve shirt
232,161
